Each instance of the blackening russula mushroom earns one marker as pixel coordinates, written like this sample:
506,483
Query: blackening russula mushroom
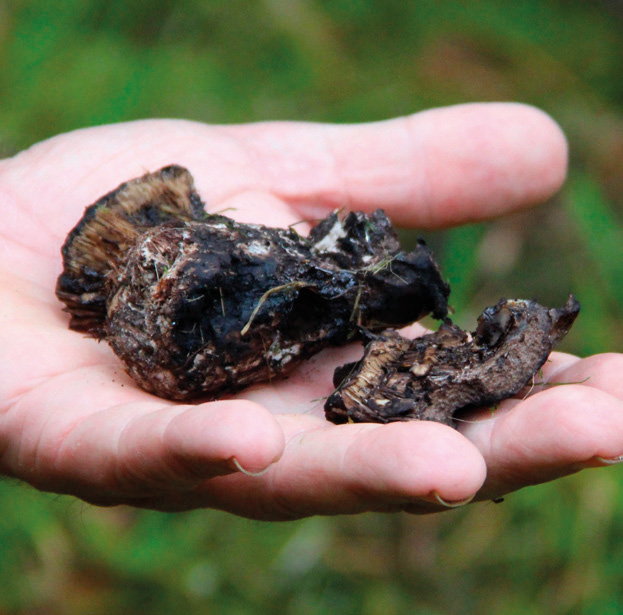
198,305
434,376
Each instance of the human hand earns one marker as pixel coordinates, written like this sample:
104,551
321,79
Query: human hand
72,422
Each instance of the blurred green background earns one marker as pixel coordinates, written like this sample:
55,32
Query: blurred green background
556,548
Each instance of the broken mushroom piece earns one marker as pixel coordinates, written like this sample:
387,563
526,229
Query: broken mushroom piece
433,376
198,305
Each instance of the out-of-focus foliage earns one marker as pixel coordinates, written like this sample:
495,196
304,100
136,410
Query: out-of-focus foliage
552,549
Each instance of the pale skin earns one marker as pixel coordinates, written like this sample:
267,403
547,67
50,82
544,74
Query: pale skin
72,422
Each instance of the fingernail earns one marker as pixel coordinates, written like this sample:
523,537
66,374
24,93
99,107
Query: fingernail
436,498
248,472
609,461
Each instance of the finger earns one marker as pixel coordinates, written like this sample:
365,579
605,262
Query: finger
234,434
258,207
435,168
172,449
548,435
351,469
135,449
600,371
555,364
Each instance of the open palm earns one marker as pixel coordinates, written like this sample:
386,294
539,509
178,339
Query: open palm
72,422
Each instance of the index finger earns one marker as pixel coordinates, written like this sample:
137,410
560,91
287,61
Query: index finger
432,169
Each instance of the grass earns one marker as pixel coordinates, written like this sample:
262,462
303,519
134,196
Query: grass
552,549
